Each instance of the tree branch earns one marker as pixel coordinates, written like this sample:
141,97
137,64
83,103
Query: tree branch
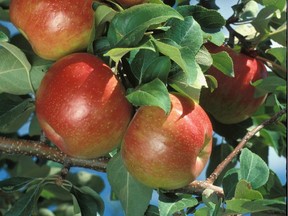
211,179
41,150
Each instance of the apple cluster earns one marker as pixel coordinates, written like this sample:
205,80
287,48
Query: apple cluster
82,108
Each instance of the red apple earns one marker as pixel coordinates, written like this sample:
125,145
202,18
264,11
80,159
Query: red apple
234,100
168,151
81,106
54,28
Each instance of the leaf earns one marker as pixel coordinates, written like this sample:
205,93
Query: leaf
249,10
186,34
243,206
128,27
207,18
168,206
153,93
279,53
14,112
25,204
230,181
117,53
268,85
253,169
273,187
133,195
245,191
14,183
3,37
185,59
152,211
179,83
223,62
211,200
204,59
14,70
89,201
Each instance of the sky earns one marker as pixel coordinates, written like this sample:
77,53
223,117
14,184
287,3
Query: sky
276,163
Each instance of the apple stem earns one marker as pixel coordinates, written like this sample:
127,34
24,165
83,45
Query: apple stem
41,150
211,179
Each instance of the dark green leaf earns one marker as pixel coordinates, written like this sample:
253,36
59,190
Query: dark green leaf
3,37
268,85
243,206
14,183
128,27
207,18
280,54
133,195
14,112
253,169
230,181
223,62
273,187
89,201
25,205
168,206
153,93
152,211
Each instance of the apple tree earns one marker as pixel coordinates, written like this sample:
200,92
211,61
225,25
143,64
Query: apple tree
148,95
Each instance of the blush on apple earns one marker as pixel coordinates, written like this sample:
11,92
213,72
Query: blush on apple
234,100
81,106
168,151
54,28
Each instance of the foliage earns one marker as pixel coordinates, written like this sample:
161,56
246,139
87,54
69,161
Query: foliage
155,48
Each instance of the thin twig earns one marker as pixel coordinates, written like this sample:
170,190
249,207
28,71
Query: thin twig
211,179
40,150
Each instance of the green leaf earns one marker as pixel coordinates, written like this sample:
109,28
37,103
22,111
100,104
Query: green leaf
279,4
3,37
243,206
14,112
186,34
168,206
245,191
185,59
207,18
273,188
230,181
133,195
249,11
128,27
89,201
117,53
179,83
152,211
25,205
204,59
268,85
14,70
211,200
223,62
153,93
279,53
4,14
253,169
14,183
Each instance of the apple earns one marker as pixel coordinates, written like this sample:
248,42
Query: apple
168,151
129,3
234,99
81,106
54,28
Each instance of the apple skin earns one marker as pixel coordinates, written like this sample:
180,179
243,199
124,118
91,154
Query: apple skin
233,101
81,106
168,151
54,28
